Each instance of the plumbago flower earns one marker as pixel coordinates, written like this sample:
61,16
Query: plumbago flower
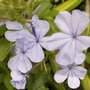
38,28
73,72
18,80
21,61
69,41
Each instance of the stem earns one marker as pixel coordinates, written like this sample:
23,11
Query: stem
36,66
88,6
44,65
36,10
88,11
52,62
11,7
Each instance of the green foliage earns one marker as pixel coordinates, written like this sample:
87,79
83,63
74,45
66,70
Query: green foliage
40,79
86,83
88,58
2,30
5,77
68,5
4,48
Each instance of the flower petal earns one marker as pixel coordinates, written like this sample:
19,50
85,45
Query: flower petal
11,35
79,59
61,75
63,59
16,75
13,62
80,21
73,81
33,21
19,84
63,22
14,26
35,53
41,28
80,72
22,45
67,54
24,64
82,42
26,34
56,41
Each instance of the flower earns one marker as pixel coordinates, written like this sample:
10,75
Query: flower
69,41
18,80
14,29
38,28
73,72
20,61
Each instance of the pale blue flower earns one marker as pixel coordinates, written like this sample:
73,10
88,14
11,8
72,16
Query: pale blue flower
21,61
18,80
71,72
38,29
69,40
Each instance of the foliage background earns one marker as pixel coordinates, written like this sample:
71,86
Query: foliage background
41,76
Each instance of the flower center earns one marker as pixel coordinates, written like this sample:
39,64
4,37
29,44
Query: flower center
37,40
23,52
70,66
74,36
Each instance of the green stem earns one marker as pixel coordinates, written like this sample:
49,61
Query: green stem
44,66
52,62
88,6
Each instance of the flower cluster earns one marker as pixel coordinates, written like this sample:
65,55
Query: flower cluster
30,40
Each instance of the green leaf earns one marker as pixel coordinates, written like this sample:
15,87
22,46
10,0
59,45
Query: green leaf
88,57
7,82
43,88
45,6
68,5
86,83
6,75
53,28
52,84
1,76
2,87
36,80
2,30
4,48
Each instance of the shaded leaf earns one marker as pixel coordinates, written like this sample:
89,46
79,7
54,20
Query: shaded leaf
4,48
2,30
